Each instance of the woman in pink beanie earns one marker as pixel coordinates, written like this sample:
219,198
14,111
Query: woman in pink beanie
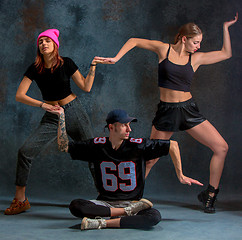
52,74
53,34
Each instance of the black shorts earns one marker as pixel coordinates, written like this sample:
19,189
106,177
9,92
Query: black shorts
174,117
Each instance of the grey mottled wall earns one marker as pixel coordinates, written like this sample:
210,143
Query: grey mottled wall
89,28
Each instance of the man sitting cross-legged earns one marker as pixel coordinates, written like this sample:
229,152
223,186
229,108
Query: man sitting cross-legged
119,164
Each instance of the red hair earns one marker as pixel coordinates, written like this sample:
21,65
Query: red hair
57,60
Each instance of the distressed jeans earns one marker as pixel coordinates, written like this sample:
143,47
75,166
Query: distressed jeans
78,127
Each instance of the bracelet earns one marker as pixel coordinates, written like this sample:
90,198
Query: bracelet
92,64
41,105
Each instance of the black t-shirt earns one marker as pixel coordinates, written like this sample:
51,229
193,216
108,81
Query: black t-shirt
53,86
120,174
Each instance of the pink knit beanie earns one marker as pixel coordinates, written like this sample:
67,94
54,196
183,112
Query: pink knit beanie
51,33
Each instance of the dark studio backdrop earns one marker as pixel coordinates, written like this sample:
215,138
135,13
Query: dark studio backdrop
99,28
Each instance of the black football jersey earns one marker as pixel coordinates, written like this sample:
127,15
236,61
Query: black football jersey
120,174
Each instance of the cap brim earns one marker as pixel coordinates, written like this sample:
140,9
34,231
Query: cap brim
129,119
126,120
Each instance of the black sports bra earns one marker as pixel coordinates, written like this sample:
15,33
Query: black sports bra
174,76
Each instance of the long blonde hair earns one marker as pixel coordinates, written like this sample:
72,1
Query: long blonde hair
188,30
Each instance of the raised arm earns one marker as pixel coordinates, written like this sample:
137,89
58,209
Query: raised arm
86,83
151,45
176,159
21,96
217,56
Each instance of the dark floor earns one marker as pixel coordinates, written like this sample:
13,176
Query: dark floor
184,220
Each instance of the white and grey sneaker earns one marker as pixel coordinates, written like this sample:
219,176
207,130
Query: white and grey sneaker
137,206
89,223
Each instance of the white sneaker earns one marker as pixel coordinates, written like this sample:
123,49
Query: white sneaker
137,206
89,223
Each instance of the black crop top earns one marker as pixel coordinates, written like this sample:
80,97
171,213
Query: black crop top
174,76
53,86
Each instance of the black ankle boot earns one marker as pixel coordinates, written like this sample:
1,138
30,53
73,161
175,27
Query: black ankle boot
207,200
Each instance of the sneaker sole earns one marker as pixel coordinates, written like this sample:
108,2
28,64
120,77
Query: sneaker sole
83,224
147,202
209,211
18,212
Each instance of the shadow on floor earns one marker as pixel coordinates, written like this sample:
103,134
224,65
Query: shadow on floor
232,205
38,204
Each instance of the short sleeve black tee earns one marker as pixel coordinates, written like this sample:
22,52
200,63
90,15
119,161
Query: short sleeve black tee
120,174
53,86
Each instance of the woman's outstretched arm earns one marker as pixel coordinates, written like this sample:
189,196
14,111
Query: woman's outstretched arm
217,56
151,45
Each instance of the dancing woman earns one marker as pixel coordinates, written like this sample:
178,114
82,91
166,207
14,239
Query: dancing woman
52,74
177,111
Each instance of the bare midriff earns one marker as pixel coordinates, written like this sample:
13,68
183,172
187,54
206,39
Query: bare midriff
63,101
169,95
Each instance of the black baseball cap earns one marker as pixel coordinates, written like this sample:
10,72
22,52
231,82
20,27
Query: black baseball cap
119,115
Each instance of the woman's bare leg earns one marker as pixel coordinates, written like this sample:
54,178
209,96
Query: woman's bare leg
206,134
